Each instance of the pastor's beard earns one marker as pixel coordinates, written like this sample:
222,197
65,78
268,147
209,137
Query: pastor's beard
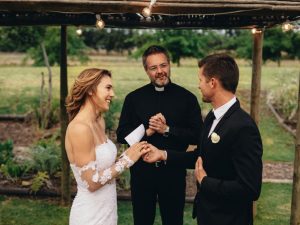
156,83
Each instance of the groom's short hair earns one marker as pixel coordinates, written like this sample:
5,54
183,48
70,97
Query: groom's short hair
223,67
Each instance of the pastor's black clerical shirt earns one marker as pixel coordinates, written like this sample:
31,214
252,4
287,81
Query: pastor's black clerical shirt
180,108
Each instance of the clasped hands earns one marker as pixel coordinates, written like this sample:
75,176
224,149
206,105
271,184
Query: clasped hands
148,152
157,123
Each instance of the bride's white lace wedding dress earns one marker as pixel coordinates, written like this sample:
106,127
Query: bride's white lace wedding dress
98,207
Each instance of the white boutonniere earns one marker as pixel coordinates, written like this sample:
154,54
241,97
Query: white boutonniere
215,138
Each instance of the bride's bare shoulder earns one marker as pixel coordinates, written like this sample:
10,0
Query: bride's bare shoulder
78,129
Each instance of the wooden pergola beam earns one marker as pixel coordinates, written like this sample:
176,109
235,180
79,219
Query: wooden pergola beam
165,13
137,21
161,6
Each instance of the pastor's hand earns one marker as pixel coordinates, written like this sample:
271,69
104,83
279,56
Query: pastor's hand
158,123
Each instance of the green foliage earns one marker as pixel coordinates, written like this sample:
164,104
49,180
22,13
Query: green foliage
294,50
275,42
6,151
21,38
8,167
243,44
52,117
124,181
51,40
47,157
285,98
111,116
109,39
179,43
12,169
38,181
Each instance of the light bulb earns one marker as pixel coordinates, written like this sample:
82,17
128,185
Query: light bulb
256,30
100,24
146,12
79,31
287,27
253,30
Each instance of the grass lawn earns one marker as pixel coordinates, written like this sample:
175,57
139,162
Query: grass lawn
271,210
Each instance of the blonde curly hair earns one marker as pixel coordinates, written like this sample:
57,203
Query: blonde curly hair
86,82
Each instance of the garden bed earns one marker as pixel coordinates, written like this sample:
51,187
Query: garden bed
24,135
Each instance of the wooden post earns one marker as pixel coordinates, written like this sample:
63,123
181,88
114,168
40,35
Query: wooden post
65,178
256,79
256,74
295,207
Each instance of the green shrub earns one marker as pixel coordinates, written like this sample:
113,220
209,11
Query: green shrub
52,119
12,169
38,181
47,157
123,181
6,151
285,98
111,116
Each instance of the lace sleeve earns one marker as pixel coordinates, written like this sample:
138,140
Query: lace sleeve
94,177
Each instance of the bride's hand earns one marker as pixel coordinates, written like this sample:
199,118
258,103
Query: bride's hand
135,151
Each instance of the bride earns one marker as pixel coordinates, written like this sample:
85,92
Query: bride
91,154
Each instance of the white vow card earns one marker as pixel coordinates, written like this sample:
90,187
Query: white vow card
136,135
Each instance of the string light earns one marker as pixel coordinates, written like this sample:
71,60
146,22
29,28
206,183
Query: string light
256,31
287,27
147,11
79,31
99,22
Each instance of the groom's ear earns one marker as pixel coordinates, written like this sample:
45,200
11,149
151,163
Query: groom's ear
213,82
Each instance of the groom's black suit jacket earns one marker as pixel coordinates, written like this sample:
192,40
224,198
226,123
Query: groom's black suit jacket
234,171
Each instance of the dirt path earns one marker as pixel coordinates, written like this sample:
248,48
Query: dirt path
273,172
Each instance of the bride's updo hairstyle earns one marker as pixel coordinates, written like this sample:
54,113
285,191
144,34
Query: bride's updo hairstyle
87,81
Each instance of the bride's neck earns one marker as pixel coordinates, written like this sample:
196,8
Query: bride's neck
89,112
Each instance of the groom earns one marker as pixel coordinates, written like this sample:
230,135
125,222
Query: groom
229,167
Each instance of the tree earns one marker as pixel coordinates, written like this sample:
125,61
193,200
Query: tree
51,41
275,42
179,43
20,39
109,39
294,50
242,43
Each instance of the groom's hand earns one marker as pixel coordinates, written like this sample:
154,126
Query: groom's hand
200,173
154,154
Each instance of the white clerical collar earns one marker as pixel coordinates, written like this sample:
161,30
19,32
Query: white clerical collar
159,88
219,112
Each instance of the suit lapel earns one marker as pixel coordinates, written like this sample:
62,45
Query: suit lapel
232,109
205,139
